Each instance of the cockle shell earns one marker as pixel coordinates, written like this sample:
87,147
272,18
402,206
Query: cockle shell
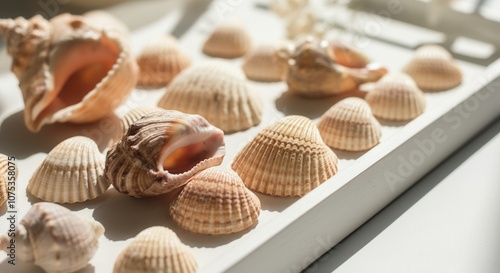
217,91
154,250
312,73
54,238
161,151
8,171
433,69
133,115
396,97
350,125
287,158
68,69
265,64
160,61
72,172
215,201
347,55
228,40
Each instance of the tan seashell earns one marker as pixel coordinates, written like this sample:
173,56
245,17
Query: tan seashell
396,97
154,250
133,115
161,151
54,238
433,69
228,40
68,70
72,172
8,171
217,91
313,74
347,55
287,158
265,64
160,61
349,125
215,201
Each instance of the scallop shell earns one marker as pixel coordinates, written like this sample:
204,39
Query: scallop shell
71,173
396,97
133,115
55,238
346,55
265,64
217,91
154,250
8,169
350,125
433,69
68,69
287,158
161,151
215,201
160,61
228,40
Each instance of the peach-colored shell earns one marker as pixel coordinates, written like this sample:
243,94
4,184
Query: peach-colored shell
433,69
265,64
350,125
215,201
347,55
228,40
396,97
69,70
8,171
287,158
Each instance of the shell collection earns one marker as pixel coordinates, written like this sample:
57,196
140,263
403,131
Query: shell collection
228,40
265,64
287,158
218,92
56,239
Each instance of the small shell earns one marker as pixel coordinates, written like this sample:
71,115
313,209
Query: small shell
161,151
287,158
346,55
396,97
215,201
228,40
56,239
8,169
265,65
160,61
71,173
433,69
349,125
133,115
154,250
217,91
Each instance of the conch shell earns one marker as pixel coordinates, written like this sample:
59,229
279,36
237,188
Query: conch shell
69,70
8,170
161,151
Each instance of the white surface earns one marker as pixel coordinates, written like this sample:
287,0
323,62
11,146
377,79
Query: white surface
448,222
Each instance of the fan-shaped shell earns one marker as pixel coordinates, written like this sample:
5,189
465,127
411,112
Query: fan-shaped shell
154,250
287,158
218,92
71,173
396,97
160,61
133,115
265,64
350,125
228,40
68,69
215,201
161,151
56,239
8,171
433,69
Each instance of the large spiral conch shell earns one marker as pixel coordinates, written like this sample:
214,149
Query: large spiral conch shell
161,151
54,238
8,173
69,69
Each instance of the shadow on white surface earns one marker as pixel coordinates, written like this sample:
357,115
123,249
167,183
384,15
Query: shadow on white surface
23,267
275,203
89,204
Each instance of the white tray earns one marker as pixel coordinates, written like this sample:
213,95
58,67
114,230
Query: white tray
291,232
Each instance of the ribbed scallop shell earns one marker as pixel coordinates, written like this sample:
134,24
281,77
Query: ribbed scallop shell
160,61
133,115
396,97
72,172
8,169
228,40
161,151
156,250
217,91
287,158
433,69
215,201
350,125
56,239
265,65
